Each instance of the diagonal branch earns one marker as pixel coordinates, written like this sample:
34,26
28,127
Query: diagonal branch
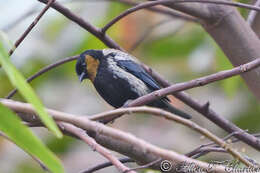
81,121
44,168
192,84
95,146
165,11
170,2
252,14
19,41
105,165
84,24
114,139
196,82
184,97
44,70
146,165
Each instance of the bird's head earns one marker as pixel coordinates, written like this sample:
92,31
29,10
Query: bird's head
87,64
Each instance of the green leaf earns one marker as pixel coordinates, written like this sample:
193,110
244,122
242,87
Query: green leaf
21,135
26,91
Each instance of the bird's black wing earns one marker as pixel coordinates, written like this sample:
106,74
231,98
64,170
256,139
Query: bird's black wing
138,71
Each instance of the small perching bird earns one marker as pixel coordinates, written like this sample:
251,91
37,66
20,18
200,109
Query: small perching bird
118,77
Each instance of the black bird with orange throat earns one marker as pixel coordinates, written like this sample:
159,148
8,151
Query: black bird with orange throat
118,77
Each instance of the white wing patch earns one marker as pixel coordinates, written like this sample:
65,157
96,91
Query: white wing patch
119,55
136,84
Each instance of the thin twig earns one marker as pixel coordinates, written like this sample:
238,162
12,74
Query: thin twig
206,150
82,121
20,18
162,113
105,165
147,33
184,97
208,112
197,82
95,146
170,2
201,147
27,31
191,84
145,166
84,24
44,70
44,168
252,14
163,10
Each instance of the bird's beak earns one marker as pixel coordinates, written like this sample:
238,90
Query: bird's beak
81,77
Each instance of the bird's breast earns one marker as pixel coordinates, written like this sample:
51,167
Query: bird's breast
117,86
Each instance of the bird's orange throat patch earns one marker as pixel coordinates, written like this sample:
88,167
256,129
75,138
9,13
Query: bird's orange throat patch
92,67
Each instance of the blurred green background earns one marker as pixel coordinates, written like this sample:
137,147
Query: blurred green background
179,50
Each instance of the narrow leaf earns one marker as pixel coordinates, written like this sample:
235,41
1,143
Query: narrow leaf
26,90
21,135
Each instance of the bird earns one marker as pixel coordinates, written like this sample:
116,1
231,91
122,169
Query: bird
119,77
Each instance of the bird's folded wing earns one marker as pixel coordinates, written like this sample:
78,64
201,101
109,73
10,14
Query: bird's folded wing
138,71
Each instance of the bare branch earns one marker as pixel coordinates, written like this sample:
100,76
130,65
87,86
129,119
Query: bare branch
44,168
20,18
95,146
114,139
209,113
205,150
82,122
252,14
192,84
148,32
184,97
44,70
162,10
145,166
105,165
169,116
170,2
210,146
27,31
84,24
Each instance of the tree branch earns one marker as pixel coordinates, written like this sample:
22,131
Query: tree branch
44,168
105,165
82,121
95,146
184,97
192,84
162,10
44,70
27,31
114,139
147,32
252,14
84,24
145,166
210,146
170,2
228,28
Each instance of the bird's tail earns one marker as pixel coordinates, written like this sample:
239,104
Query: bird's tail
176,111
